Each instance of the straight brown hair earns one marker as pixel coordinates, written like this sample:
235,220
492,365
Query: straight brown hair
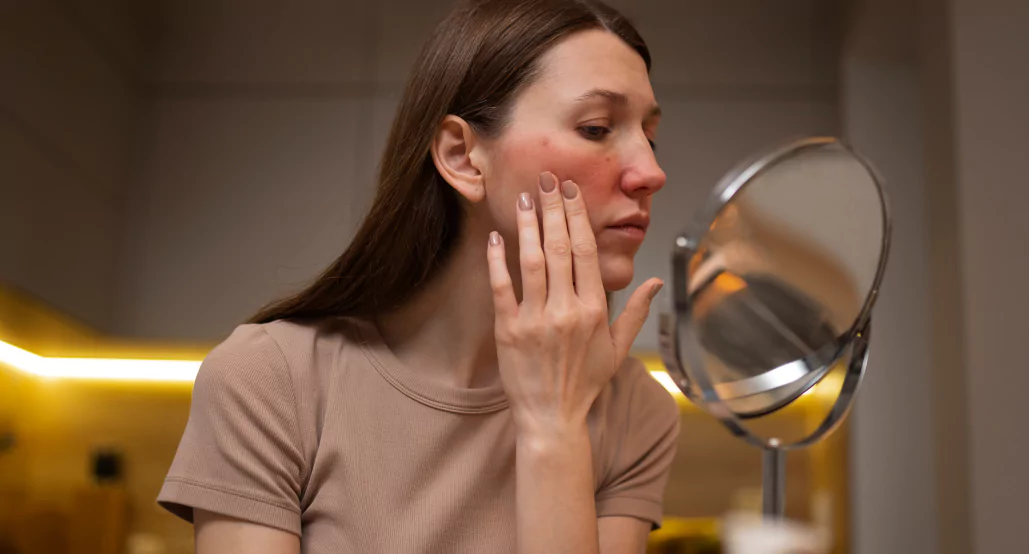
473,66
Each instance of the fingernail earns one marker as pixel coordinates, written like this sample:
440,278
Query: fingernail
655,289
494,239
569,189
525,201
547,181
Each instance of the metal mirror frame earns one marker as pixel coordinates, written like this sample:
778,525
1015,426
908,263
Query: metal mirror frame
678,339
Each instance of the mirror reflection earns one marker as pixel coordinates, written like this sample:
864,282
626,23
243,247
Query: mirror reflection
783,272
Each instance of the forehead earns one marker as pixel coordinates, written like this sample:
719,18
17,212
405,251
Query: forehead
593,59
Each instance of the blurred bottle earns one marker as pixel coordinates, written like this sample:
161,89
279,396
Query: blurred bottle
99,517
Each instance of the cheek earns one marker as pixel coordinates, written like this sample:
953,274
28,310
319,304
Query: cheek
597,175
595,171
516,168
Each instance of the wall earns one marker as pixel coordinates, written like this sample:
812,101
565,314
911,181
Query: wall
892,458
991,120
935,92
68,114
268,124
257,161
948,326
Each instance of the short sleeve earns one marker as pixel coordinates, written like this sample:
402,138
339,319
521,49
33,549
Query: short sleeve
240,454
643,455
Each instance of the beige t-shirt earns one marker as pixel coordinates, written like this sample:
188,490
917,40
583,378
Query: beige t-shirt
318,429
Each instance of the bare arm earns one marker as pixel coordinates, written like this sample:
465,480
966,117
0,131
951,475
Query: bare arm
556,509
554,486
219,534
623,535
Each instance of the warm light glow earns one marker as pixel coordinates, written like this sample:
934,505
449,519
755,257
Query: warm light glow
18,358
98,368
728,283
667,382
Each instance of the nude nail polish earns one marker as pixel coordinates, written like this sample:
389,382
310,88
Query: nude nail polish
525,201
569,189
547,182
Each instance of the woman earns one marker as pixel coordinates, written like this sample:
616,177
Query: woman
451,383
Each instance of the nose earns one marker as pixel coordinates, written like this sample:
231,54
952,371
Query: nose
642,175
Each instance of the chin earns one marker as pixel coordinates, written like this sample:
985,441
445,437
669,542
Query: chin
616,272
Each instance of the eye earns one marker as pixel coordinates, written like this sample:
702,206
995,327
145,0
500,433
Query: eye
653,145
594,132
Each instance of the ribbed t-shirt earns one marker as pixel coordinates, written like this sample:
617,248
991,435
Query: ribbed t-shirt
316,428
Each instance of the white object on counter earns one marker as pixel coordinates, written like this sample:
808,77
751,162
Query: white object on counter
749,533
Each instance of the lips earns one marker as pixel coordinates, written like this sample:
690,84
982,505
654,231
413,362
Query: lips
632,228
637,221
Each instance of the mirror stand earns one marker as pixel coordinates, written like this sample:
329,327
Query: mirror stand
773,480
673,332
773,462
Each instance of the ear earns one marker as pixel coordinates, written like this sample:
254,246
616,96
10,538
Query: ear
457,153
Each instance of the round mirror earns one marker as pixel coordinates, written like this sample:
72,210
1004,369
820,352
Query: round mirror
777,277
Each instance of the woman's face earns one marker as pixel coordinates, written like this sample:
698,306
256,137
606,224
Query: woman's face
590,117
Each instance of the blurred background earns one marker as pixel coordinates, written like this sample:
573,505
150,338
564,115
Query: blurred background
166,167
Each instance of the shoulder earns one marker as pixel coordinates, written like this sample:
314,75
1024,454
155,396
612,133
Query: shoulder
287,340
248,349
247,368
275,354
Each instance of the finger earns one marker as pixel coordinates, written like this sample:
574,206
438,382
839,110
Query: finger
530,255
585,266
628,324
556,245
505,304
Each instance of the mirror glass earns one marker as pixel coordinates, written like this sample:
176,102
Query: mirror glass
783,272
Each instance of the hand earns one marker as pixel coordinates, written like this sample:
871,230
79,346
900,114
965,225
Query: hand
556,350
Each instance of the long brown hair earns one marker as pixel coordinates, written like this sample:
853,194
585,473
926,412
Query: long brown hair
473,66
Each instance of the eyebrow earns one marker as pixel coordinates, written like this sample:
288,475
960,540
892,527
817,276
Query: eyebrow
616,98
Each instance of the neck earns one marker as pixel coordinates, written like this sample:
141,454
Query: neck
446,330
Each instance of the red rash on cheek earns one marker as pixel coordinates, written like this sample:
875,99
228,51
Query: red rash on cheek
596,172
589,171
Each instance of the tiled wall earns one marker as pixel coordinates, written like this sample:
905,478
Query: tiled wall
269,119
68,112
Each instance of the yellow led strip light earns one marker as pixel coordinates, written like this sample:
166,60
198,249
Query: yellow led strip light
120,369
